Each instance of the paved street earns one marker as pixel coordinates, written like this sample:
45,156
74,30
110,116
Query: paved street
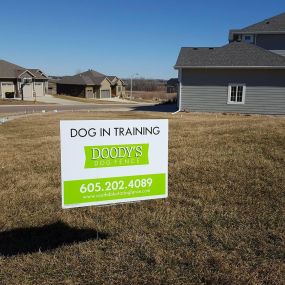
12,109
46,108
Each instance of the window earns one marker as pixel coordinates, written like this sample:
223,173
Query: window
248,39
7,84
236,94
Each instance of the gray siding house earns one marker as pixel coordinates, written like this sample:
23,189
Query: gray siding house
240,77
268,34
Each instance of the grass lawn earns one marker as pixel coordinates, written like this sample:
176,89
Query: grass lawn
223,222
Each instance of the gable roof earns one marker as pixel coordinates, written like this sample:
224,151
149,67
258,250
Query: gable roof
24,73
274,24
112,77
271,25
235,54
11,70
38,73
89,77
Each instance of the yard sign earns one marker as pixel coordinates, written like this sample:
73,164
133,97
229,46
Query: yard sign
113,161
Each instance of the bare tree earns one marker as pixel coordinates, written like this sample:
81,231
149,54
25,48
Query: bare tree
142,84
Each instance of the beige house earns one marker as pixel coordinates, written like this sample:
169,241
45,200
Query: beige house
17,81
88,84
117,86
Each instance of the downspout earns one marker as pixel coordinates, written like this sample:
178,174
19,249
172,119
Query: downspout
180,88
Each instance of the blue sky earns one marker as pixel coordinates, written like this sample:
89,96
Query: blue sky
120,37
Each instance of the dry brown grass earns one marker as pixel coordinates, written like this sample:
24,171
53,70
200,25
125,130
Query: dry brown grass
18,102
152,96
223,222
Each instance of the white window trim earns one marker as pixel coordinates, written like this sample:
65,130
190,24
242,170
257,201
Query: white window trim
243,93
10,83
28,79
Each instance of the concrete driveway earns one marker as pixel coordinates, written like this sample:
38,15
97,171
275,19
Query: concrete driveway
52,100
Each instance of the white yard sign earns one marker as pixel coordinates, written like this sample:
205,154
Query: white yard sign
113,161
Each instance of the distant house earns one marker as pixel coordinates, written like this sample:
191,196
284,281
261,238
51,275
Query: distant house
88,84
172,85
117,86
245,76
16,80
52,81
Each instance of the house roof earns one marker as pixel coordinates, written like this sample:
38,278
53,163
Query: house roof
172,82
113,81
38,73
274,24
90,77
235,54
11,70
112,77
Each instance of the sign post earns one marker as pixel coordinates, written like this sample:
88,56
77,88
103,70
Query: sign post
113,161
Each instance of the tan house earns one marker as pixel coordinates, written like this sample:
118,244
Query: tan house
88,84
117,86
16,81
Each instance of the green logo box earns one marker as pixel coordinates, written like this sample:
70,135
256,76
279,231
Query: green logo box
114,188
116,155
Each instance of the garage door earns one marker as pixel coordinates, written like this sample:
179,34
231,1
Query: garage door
105,93
28,90
39,89
7,87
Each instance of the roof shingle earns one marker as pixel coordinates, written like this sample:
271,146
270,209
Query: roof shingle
274,24
90,77
11,70
235,54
